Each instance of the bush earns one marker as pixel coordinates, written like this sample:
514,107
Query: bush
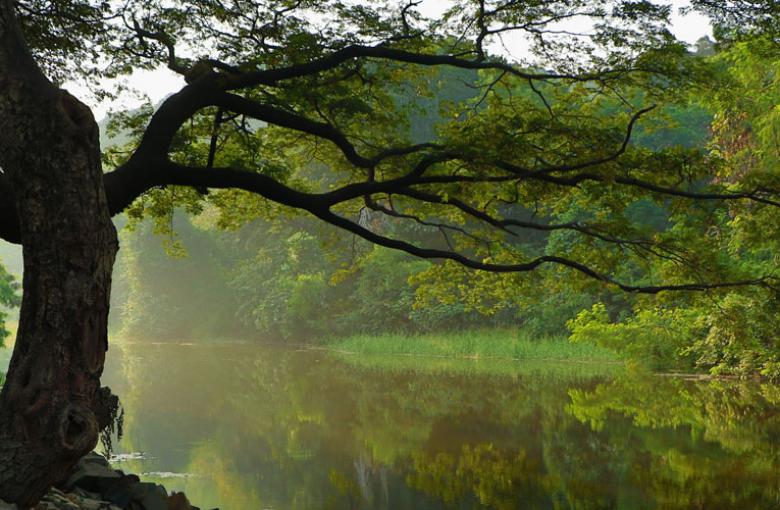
659,338
737,340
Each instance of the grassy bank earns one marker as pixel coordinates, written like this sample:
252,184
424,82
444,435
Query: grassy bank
562,371
489,344
489,352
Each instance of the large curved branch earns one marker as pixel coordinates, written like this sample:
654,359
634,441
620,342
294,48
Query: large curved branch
317,205
428,253
505,224
127,183
606,159
335,59
283,118
296,122
16,60
169,173
576,179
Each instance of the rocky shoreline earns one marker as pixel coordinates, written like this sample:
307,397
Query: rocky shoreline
95,485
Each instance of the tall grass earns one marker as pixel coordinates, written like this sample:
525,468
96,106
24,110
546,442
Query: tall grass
495,344
559,370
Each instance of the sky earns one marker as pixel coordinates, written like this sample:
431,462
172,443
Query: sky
160,83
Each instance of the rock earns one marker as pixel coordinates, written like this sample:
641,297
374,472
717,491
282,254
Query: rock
57,500
77,500
119,491
178,501
93,473
150,496
83,494
94,485
89,501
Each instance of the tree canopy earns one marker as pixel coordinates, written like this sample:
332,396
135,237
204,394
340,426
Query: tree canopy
280,92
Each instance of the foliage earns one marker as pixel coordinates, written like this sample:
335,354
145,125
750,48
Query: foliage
616,159
657,337
738,339
729,331
492,344
295,279
183,297
556,114
290,279
8,299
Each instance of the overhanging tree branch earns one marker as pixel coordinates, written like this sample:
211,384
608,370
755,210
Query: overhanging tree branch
319,206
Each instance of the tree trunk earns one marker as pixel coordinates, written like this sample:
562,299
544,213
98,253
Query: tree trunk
51,407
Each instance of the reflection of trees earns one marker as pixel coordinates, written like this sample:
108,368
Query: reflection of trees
274,428
692,445
497,479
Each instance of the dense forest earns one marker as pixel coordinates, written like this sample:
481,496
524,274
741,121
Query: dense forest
270,273
308,282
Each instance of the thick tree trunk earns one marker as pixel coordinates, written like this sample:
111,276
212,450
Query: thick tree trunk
51,407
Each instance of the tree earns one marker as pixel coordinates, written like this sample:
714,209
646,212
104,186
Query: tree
280,88
735,19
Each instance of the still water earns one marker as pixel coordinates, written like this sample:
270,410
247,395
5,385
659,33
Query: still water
248,427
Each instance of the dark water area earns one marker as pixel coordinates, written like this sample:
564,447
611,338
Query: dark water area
242,426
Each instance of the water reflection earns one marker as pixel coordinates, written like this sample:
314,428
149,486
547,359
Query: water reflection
246,427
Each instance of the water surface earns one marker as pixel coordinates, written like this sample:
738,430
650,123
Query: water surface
243,426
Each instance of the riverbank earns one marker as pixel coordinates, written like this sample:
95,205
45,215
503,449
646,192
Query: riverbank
513,345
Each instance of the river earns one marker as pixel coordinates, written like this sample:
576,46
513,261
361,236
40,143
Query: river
242,426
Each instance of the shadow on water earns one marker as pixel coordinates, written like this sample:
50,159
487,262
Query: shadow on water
243,426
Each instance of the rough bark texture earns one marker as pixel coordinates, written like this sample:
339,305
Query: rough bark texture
51,406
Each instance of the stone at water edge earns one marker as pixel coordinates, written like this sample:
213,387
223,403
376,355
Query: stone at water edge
178,501
93,473
148,496
7,506
93,479
77,500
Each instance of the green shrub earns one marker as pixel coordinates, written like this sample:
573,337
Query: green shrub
659,338
737,340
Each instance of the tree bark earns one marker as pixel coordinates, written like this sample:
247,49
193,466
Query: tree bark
52,407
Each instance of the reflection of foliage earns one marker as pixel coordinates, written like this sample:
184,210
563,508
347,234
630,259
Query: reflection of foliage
297,430
498,479
705,445
231,490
